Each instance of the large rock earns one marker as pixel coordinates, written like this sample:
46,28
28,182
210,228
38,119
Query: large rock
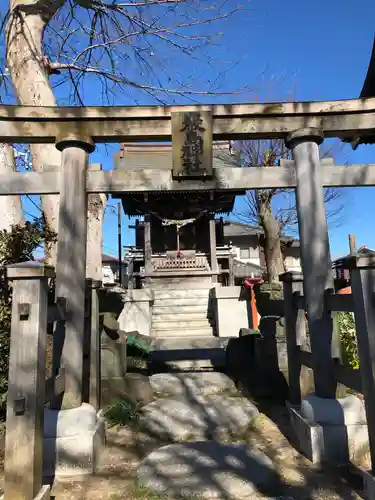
180,384
73,440
208,470
197,417
138,388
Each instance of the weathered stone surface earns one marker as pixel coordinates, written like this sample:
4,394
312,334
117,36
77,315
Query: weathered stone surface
180,384
331,443
113,356
73,440
112,389
208,470
349,410
197,417
63,423
138,388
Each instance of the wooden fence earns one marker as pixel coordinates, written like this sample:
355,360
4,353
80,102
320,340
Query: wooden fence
362,304
28,389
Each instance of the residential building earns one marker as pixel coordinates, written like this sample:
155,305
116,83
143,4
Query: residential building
111,270
246,244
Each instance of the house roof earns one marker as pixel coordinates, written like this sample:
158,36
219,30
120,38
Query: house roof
110,258
246,269
239,229
362,251
233,229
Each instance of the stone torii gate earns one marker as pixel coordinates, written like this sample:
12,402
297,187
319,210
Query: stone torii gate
75,131
302,125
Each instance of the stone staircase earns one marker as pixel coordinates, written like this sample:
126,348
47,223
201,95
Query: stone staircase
181,313
182,336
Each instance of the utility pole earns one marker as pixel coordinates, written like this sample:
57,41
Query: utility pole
352,244
119,242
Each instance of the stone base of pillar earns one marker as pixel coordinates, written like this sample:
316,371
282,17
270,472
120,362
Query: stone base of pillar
368,484
331,431
73,442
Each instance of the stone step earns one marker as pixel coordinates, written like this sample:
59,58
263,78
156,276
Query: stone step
177,324
184,332
181,302
194,365
179,316
189,353
176,342
180,293
179,309
181,283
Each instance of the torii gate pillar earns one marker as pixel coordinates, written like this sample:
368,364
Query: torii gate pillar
71,263
315,255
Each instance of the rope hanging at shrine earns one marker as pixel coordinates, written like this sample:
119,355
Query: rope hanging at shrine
179,222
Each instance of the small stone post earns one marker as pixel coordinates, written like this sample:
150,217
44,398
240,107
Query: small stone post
213,256
95,358
71,263
315,256
148,247
26,382
295,332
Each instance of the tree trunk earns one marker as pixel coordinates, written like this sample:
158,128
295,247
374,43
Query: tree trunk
10,206
29,72
31,85
95,216
272,244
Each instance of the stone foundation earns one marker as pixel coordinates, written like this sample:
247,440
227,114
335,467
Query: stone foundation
73,441
331,430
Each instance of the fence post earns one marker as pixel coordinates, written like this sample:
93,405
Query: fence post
95,375
362,278
295,332
26,382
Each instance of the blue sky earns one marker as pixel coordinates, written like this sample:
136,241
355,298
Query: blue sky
310,50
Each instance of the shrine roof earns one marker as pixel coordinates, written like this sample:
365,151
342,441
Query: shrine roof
169,203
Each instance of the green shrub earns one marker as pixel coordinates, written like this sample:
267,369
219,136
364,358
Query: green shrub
123,412
16,245
141,346
346,325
